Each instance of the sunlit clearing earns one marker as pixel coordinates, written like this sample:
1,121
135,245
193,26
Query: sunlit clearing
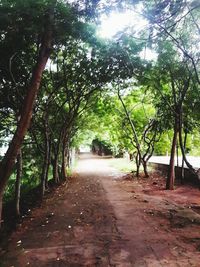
117,22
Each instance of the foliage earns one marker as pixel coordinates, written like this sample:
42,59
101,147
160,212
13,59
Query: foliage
79,97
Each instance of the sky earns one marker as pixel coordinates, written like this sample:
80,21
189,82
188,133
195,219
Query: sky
119,21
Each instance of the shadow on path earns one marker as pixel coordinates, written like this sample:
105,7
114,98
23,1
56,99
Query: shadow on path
97,219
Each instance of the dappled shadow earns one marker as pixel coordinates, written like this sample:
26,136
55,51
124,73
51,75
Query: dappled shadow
102,217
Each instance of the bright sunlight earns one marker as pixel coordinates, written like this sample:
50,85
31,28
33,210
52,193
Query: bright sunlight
129,21
118,22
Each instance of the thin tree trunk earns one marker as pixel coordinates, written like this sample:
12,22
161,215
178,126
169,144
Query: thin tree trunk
64,163
145,168
138,163
190,167
177,161
18,184
68,157
55,170
139,156
137,170
46,157
49,161
171,172
8,162
56,175
131,124
44,170
182,165
65,155
1,205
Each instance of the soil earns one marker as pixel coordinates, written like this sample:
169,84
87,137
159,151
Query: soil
102,217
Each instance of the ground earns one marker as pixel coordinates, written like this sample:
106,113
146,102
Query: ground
102,217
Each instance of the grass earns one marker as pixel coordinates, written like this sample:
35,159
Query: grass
122,164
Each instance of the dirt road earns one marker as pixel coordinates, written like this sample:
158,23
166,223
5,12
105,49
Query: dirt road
100,218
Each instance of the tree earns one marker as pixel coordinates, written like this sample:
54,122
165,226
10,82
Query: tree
142,140
26,112
175,21
36,26
172,81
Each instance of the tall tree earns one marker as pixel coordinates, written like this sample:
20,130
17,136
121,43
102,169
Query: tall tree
35,27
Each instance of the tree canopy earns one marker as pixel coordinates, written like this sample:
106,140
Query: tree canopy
61,85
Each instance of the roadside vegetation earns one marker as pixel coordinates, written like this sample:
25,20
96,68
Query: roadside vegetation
122,164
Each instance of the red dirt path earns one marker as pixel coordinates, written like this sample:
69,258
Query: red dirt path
101,218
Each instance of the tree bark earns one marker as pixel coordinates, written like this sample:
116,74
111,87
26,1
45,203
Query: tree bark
137,144
18,184
190,167
56,174
1,205
55,170
177,161
49,161
64,163
182,165
144,163
171,172
8,162
46,157
138,163
65,153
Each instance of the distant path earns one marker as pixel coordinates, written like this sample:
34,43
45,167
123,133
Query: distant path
99,219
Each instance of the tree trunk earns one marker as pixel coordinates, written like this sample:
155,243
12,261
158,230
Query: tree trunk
182,146
18,184
177,161
69,157
137,170
171,172
55,170
182,165
144,163
8,162
45,170
56,173
65,155
137,143
131,124
1,206
49,161
64,163
138,162
46,157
